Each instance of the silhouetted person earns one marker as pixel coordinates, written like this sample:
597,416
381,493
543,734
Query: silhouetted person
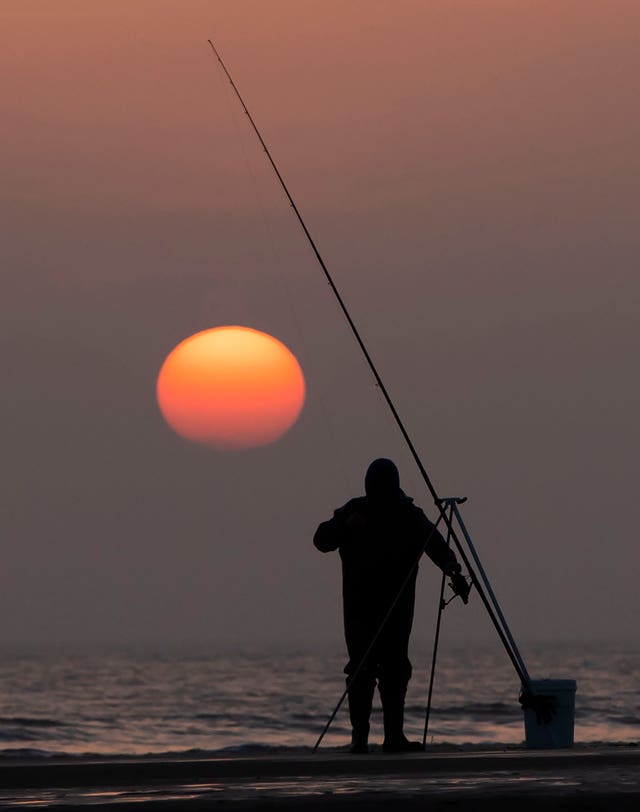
379,537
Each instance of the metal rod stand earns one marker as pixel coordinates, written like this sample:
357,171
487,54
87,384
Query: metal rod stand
481,582
441,606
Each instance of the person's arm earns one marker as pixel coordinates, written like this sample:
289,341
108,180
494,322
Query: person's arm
328,536
443,556
331,534
438,550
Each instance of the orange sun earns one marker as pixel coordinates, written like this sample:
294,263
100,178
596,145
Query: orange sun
231,388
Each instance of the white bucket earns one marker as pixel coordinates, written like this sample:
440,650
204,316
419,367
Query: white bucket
559,731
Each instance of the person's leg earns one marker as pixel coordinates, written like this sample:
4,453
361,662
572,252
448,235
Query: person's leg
360,695
394,676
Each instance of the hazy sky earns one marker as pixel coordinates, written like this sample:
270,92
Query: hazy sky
471,174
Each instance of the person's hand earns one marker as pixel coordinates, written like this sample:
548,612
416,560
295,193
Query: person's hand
460,585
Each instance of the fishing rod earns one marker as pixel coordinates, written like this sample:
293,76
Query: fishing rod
332,284
515,659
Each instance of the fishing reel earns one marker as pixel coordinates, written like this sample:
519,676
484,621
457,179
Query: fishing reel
460,587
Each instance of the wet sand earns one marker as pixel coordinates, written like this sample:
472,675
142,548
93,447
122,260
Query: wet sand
580,778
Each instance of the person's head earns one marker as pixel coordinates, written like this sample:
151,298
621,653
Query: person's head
382,480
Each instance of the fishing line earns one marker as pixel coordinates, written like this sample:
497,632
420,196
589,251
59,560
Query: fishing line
524,679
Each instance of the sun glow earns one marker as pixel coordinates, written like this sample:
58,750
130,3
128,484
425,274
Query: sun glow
231,388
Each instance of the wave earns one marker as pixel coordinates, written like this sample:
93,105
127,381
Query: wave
240,750
474,710
30,754
626,720
255,749
30,721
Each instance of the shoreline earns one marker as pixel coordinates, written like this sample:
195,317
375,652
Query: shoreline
603,777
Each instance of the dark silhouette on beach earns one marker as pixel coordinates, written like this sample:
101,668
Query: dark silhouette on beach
380,538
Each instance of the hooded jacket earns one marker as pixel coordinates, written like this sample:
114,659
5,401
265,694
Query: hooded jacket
380,538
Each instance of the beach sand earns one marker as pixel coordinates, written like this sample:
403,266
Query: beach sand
587,778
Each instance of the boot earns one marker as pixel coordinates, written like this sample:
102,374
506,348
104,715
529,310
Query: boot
360,701
360,740
393,714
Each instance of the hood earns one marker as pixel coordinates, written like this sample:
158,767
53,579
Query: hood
382,480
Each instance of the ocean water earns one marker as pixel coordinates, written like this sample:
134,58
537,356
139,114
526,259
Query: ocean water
212,700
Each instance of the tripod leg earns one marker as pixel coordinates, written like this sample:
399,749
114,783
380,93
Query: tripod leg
435,644
515,658
433,665
494,600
